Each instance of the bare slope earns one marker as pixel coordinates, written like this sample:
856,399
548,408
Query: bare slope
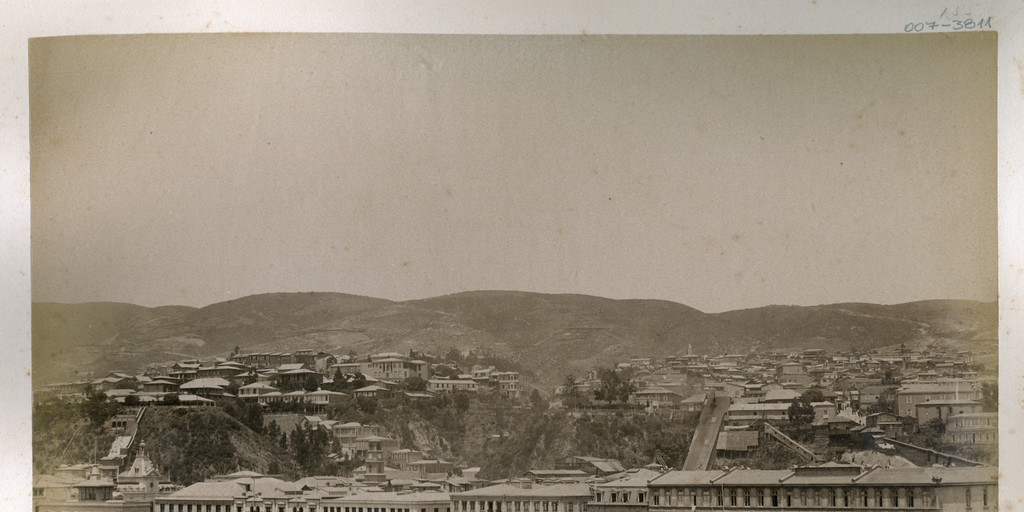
551,335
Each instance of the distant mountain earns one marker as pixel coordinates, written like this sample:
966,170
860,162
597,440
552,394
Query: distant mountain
548,335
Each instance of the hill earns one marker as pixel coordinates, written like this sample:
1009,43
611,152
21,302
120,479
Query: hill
193,444
548,335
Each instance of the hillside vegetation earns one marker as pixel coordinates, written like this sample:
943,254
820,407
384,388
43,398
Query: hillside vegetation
502,438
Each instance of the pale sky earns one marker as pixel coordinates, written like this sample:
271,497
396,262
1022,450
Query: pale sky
718,172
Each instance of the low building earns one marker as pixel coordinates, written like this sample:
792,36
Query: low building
207,388
451,385
736,443
973,428
255,390
694,404
747,413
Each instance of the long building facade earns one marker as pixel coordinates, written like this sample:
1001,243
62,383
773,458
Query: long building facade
827,487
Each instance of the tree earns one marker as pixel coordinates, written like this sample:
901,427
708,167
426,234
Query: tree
367,405
415,383
311,384
571,391
97,408
615,386
990,397
454,355
273,430
461,400
801,412
538,402
933,428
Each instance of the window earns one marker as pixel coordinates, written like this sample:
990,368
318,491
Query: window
718,497
625,497
657,501
832,497
640,497
746,497
732,497
846,497
519,505
775,497
569,507
910,497
615,497
789,499
967,498
894,497
878,497
984,497
598,496
554,506
864,495
760,497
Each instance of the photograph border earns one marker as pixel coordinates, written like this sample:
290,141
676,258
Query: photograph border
77,17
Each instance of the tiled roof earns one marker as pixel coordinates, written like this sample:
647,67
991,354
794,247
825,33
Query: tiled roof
556,490
754,477
387,497
737,441
210,490
683,478
634,478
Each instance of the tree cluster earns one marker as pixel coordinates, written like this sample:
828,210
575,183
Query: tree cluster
801,412
616,386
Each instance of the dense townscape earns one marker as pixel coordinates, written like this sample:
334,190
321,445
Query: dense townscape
892,428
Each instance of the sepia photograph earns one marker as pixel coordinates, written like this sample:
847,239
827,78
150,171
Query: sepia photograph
394,272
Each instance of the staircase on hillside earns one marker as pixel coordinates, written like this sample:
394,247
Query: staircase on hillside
793,446
122,444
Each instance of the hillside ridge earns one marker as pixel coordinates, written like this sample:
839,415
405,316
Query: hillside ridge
551,334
